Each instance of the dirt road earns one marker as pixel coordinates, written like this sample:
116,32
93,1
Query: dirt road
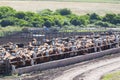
91,71
97,73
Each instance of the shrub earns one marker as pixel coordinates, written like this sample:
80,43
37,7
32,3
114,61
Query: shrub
94,16
64,11
45,12
47,23
20,15
103,24
75,22
6,11
6,22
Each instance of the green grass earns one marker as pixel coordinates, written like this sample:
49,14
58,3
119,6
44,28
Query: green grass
9,30
81,30
72,28
106,1
112,76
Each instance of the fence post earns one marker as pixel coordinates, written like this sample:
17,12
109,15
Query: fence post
7,66
13,71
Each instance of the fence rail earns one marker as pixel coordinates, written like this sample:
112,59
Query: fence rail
27,36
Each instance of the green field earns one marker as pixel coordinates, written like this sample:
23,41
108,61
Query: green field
112,76
106,1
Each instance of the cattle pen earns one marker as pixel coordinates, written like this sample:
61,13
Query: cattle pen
57,60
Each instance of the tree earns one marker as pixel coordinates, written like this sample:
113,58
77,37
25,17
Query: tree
50,19
109,18
58,23
103,24
116,20
47,23
20,15
6,11
37,22
94,16
75,22
6,22
45,12
1,15
64,11
60,20
21,22
84,19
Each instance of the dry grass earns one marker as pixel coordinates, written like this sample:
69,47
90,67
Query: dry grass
76,7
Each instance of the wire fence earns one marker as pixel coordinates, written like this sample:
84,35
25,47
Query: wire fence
27,34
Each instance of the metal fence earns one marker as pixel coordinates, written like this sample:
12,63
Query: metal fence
40,34
5,67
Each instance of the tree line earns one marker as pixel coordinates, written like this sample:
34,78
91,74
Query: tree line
57,18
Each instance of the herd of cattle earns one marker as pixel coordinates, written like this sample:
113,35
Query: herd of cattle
35,52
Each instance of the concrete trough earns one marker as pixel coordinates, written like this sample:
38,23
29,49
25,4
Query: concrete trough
66,61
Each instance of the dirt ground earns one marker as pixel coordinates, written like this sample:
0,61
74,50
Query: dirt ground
76,7
91,71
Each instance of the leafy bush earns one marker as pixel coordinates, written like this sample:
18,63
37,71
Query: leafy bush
6,12
20,15
64,11
45,12
112,18
58,18
75,22
103,24
6,22
94,16
47,23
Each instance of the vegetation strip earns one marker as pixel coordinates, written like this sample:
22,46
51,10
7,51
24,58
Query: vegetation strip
9,30
58,19
112,76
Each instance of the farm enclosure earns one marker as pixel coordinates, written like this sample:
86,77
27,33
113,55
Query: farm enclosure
26,36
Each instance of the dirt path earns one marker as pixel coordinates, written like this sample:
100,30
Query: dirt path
91,71
98,72
76,7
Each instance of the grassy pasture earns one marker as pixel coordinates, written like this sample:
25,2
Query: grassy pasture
102,1
79,8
